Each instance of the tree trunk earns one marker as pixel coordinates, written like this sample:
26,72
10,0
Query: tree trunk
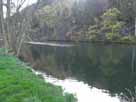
133,59
8,26
3,24
135,26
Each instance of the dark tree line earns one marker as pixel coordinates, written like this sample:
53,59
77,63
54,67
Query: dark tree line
61,20
67,20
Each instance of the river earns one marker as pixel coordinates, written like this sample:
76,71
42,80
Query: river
92,72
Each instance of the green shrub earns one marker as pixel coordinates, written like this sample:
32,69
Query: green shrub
126,39
109,25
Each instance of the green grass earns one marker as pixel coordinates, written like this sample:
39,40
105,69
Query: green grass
20,84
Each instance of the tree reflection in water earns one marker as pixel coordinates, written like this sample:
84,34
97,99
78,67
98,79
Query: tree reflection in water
108,67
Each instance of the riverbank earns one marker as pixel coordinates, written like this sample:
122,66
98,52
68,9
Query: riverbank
19,84
121,42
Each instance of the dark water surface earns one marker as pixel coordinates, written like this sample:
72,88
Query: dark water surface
110,68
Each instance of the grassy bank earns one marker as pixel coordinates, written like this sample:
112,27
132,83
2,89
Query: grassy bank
19,84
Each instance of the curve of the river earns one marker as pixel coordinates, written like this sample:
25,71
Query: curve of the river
82,91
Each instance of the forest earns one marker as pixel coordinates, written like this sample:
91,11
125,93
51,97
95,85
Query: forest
85,20
67,50
75,20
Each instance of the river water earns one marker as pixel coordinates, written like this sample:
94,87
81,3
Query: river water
92,72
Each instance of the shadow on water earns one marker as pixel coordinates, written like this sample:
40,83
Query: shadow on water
108,67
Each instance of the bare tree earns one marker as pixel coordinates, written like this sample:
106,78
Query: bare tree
22,25
14,26
6,44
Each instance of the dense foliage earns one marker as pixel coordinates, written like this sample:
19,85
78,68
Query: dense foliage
109,27
111,20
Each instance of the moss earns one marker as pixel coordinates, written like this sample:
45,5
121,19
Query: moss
19,84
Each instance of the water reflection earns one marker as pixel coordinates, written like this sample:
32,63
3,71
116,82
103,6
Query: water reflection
107,67
82,91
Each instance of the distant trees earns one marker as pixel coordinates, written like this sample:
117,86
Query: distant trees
54,20
85,11
66,20
128,9
108,27
87,19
